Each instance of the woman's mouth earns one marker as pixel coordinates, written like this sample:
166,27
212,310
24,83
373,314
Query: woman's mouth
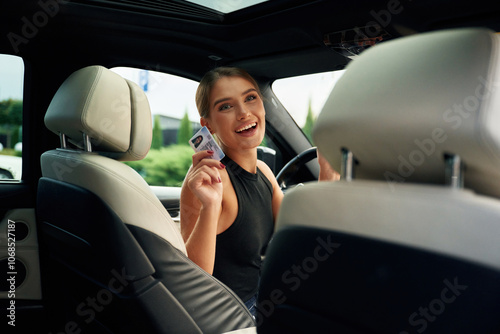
248,129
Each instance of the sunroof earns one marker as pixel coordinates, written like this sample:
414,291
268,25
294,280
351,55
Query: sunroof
226,6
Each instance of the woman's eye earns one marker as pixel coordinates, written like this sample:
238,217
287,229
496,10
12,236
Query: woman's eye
251,97
224,107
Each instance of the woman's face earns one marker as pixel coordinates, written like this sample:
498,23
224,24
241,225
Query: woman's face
237,114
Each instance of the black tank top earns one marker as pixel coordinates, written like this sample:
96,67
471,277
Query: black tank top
238,249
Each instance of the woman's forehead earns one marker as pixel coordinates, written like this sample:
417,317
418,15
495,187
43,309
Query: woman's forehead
230,85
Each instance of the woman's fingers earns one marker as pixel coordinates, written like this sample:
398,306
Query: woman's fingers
204,169
203,157
206,174
206,185
203,178
198,156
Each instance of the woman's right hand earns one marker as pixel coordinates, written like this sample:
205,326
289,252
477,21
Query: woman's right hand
203,179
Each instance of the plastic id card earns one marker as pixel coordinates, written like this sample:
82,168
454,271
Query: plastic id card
203,140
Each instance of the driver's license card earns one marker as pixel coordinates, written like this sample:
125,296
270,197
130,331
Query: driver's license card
203,140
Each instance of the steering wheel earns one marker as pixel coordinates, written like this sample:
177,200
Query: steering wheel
292,167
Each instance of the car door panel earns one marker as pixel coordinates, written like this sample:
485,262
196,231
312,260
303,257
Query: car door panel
19,255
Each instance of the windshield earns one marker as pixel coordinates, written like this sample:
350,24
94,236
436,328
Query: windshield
304,96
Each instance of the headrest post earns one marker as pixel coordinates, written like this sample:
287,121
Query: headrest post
346,169
454,171
87,146
62,137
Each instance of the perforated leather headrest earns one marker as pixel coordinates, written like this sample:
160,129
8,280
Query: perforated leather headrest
404,104
113,111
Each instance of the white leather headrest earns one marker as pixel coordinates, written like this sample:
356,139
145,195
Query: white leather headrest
113,111
404,104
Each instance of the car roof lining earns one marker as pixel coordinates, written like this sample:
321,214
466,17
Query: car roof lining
258,38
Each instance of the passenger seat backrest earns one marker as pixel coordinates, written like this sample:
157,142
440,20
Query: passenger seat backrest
105,233
114,114
398,245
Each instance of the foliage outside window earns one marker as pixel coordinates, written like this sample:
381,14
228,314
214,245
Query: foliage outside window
11,116
175,119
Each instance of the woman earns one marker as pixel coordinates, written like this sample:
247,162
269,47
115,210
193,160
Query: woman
228,208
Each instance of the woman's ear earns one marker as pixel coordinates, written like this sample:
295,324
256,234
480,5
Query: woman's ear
205,122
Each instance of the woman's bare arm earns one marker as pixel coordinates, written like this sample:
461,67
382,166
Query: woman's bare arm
201,198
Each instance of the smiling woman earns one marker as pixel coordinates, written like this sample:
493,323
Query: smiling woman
227,205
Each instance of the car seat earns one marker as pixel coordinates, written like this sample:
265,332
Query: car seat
408,240
115,261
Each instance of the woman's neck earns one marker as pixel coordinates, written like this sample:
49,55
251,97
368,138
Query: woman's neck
246,159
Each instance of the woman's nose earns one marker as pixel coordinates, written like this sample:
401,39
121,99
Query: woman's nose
242,112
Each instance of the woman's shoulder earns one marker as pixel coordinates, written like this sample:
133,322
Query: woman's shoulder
264,167
266,170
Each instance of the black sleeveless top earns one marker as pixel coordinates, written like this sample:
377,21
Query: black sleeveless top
238,249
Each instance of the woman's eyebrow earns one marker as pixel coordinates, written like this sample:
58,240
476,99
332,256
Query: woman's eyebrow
216,102
221,100
249,90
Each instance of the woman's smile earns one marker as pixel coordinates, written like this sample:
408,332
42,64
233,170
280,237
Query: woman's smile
248,129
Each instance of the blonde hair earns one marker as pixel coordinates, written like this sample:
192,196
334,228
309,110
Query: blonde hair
208,81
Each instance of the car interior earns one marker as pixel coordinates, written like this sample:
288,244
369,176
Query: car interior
405,242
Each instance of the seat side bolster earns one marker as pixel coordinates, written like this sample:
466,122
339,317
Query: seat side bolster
118,185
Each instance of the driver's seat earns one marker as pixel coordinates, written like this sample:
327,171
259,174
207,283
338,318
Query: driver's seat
117,262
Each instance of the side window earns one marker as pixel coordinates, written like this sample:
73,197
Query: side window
175,120
11,110
304,96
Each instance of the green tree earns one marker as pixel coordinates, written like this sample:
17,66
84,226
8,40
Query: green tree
11,112
164,167
16,135
185,130
309,123
264,142
157,141
11,119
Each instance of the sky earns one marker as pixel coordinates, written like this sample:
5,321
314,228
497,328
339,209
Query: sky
294,93
11,77
167,94
227,6
172,96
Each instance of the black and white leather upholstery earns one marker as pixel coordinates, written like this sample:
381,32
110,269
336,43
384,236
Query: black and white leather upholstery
398,245
117,261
